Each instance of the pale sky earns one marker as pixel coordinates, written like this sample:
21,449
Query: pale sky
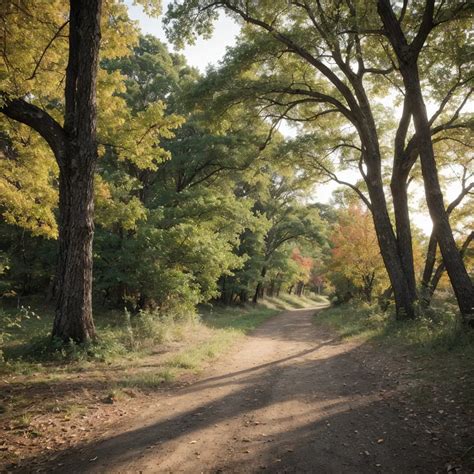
209,52
204,52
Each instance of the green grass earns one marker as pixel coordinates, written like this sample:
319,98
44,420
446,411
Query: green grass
227,326
437,331
242,319
126,340
148,380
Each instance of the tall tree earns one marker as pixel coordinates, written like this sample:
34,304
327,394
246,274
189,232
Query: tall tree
408,51
75,148
66,51
328,63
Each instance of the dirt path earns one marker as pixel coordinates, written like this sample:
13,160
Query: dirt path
289,399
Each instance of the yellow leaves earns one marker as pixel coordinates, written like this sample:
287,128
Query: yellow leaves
33,65
115,208
119,33
150,7
137,141
35,46
27,196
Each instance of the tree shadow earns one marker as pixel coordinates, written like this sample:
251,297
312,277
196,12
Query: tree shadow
351,418
321,408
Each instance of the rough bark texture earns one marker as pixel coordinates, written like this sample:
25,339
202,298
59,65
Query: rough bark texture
433,283
75,150
407,55
402,164
427,280
404,297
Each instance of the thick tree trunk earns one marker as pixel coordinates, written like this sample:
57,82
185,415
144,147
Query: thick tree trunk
404,296
458,275
73,318
74,275
398,187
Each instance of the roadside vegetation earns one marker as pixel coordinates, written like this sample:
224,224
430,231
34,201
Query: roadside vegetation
44,388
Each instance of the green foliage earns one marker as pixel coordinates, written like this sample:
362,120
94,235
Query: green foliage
437,330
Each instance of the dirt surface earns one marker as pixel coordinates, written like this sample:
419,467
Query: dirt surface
290,398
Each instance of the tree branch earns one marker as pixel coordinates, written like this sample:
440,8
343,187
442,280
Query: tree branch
39,120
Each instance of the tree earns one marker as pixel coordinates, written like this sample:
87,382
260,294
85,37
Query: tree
407,53
328,64
75,149
355,253
32,68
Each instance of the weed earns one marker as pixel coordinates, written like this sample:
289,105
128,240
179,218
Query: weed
148,380
23,421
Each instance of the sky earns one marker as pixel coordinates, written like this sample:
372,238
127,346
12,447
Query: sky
210,51
204,52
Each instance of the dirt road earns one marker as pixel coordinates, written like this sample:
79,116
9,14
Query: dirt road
290,398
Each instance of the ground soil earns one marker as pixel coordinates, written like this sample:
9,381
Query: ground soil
292,397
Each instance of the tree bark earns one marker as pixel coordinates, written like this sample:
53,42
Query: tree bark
75,149
433,284
404,297
73,318
402,164
430,260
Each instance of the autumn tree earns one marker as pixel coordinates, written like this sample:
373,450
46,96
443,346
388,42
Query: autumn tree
355,253
65,49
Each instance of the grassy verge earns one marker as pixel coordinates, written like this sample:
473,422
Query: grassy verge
220,329
44,388
437,331
133,352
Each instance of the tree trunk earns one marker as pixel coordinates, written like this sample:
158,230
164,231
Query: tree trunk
398,187
458,275
428,269
404,297
259,289
431,287
75,149
73,319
